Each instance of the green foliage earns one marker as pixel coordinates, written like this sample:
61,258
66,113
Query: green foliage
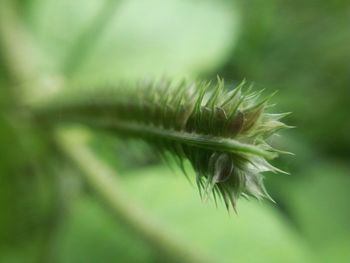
88,224
132,43
297,47
28,199
90,233
226,238
300,48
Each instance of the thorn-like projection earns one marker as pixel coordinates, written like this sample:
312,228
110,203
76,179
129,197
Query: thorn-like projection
221,132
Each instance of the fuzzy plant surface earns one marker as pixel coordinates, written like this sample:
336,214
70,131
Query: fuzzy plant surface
222,132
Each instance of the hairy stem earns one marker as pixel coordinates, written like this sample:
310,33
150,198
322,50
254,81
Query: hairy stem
222,133
194,139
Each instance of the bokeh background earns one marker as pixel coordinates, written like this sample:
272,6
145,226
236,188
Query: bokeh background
300,48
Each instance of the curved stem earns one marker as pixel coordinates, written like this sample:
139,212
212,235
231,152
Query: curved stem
198,140
104,182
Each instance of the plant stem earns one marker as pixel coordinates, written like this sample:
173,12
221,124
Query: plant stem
198,140
103,180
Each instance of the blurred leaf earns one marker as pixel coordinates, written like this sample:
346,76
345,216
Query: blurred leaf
300,48
336,250
89,234
319,203
258,234
122,155
142,38
26,193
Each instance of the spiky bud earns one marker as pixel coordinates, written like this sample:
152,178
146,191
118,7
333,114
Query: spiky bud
221,132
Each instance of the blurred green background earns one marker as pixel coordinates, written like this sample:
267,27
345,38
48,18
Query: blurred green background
300,48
